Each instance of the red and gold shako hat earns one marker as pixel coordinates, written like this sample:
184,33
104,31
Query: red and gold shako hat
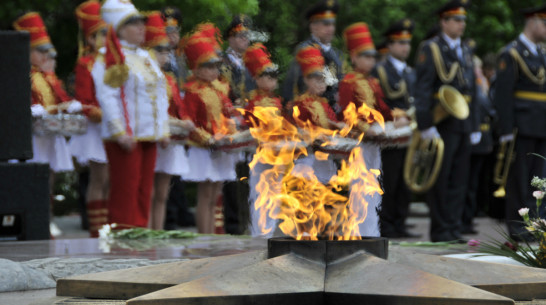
531,12
88,15
213,33
32,22
358,39
324,10
156,36
239,24
400,30
172,17
454,8
257,60
310,60
199,49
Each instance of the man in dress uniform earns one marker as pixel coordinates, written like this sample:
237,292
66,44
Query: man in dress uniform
322,25
177,63
443,60
397,81
520,101
234,70
235,193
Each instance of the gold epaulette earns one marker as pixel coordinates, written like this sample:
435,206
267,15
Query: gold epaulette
538,79
444,76
390,92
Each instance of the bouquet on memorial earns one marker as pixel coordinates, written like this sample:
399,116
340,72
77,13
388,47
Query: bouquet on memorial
532,251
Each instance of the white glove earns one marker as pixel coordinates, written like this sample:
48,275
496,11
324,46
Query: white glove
74,107
37,110
430,133
506,138
475,137
375,129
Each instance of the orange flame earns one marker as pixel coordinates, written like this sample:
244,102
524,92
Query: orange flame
305,207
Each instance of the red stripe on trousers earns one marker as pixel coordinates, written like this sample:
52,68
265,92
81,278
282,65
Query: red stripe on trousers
131,182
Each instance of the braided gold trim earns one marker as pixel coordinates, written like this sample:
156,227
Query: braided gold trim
390,92
440,67
538,79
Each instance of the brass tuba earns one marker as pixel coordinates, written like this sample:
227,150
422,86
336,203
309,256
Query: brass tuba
505,157
424,157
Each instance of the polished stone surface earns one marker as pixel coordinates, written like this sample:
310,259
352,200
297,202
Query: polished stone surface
200,247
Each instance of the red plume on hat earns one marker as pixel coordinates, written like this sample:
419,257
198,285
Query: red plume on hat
199,49
88,15
156,34
210,30
257,59
32,22
117,71
310,60
358,38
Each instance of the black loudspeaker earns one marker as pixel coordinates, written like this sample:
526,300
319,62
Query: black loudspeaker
24,201
15,119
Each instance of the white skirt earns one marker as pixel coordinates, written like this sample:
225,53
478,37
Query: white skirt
172,160
212,166
370,227
52,149
89,146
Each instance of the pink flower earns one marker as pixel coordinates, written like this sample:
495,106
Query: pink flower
511,246
538,194
473,243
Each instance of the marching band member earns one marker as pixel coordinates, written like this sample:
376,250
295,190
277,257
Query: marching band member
359,87
315,108
257,60
397,81
88,148
47,95
209,107
443,60
520,101
131,90
171,160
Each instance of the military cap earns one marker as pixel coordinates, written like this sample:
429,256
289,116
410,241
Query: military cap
172,17
382,48
400,30
454,8
539,12
239,24
323,10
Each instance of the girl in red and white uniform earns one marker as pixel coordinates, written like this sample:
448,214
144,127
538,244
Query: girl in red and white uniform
88,148
210,109
359,87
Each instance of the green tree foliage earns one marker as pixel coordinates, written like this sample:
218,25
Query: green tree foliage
492,23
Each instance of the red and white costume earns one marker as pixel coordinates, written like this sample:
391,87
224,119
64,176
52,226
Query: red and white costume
89,146
46,94
138,109
359,89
